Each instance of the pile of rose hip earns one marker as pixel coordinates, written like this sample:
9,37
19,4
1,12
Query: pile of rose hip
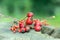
27,24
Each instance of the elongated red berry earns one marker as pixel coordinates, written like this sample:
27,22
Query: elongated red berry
19,30
37,23
37,28
30,14
27,28
22,30
29,21
16,26
21,24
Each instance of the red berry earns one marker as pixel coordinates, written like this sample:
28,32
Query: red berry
19,30
30,14
37,28
27,28
12,28
15,26
22,30
29,21
37,23
21,24
14,31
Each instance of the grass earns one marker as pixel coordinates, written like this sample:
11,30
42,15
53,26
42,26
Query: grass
5,19
55,22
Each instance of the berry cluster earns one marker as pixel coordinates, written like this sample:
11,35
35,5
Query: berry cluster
25,25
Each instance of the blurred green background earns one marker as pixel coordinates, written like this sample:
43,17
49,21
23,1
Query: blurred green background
40,8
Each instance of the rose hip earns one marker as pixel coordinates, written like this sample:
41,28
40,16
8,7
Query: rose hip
37,23
37,28
22,30
27,28
30,14
21,24
29,21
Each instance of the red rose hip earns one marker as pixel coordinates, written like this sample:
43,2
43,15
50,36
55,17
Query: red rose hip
30,14
37,28
29,21
27,28
22,30
21,24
